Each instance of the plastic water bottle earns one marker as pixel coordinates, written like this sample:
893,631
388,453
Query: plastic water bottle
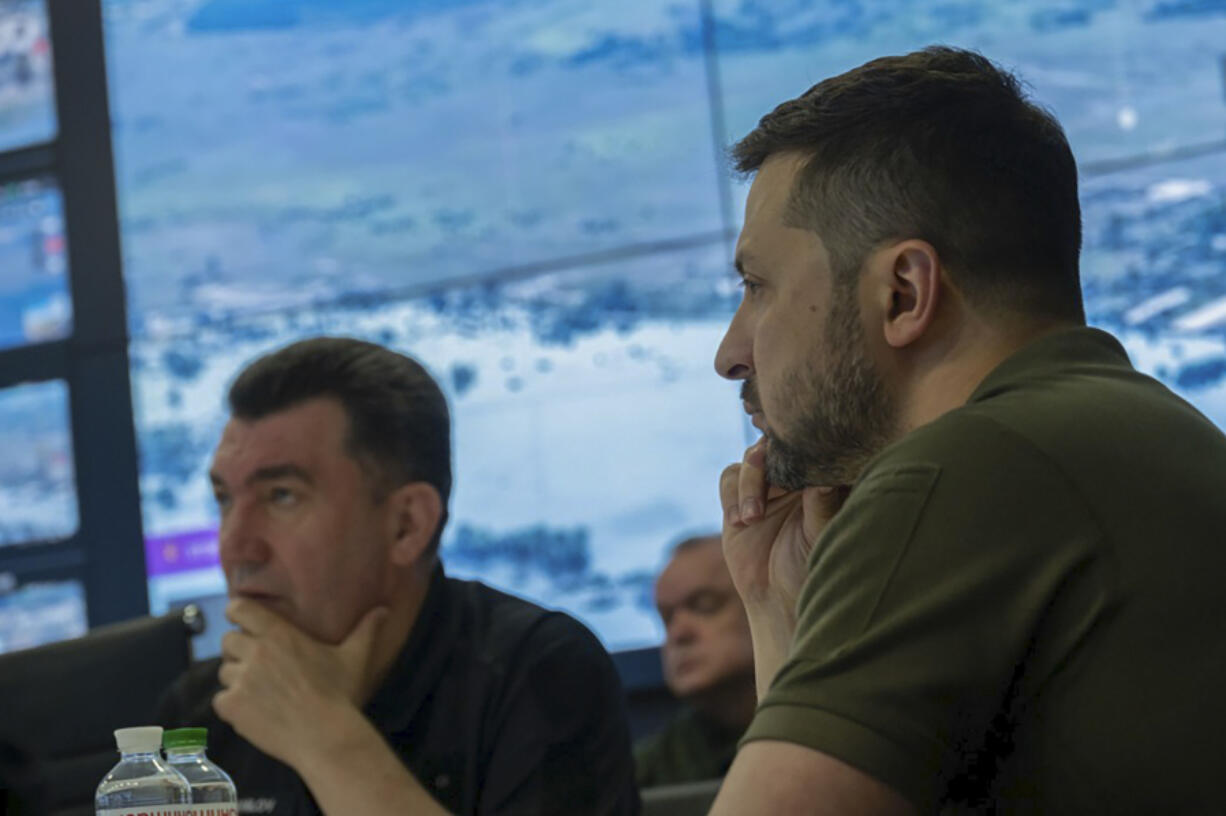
142,782
213,792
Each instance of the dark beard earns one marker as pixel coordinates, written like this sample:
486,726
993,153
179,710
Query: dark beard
848,417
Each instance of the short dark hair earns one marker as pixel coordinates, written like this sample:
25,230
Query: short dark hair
399,425
942,145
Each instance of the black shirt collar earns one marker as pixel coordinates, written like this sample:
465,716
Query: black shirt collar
416,670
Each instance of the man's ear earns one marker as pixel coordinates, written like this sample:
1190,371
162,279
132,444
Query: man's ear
415,511
907,289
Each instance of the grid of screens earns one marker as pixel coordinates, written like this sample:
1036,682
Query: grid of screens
38,500
528,197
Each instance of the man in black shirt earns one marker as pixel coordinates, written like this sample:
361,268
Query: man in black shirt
362,679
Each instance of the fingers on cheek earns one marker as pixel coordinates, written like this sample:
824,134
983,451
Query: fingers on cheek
223,705
229,673
229,645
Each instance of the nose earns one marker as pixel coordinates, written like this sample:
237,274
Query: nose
681,629
241,539
734,357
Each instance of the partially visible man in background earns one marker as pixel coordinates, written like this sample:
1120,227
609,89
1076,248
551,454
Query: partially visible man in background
708,664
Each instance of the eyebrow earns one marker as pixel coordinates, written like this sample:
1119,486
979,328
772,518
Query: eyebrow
743,260
693,596
270,473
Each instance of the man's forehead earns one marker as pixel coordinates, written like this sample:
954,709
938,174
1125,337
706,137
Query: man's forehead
767,201
301,433
772,186
697,567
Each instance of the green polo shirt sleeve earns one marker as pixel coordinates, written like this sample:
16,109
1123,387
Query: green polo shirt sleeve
959,546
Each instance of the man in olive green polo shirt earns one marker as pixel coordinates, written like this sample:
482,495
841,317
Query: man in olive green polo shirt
982,557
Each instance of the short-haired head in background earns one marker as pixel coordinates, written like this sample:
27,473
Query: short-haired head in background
332,479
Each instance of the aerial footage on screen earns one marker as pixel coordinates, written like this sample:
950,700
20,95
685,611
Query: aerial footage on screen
529,197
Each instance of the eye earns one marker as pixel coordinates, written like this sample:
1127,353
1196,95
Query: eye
751,287
282,496
223,501
706,603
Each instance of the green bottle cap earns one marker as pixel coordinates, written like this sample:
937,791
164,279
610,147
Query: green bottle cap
185,738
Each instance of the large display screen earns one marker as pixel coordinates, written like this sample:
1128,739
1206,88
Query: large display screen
38,491
40,612
35,305
529,196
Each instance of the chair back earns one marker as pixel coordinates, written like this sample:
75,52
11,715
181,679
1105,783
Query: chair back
60,703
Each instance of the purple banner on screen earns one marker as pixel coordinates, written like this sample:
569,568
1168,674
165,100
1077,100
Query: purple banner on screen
181,552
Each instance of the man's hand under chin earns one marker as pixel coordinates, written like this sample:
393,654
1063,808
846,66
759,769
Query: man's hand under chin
768,534
284,691
300,701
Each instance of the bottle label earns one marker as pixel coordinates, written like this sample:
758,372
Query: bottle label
214,809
